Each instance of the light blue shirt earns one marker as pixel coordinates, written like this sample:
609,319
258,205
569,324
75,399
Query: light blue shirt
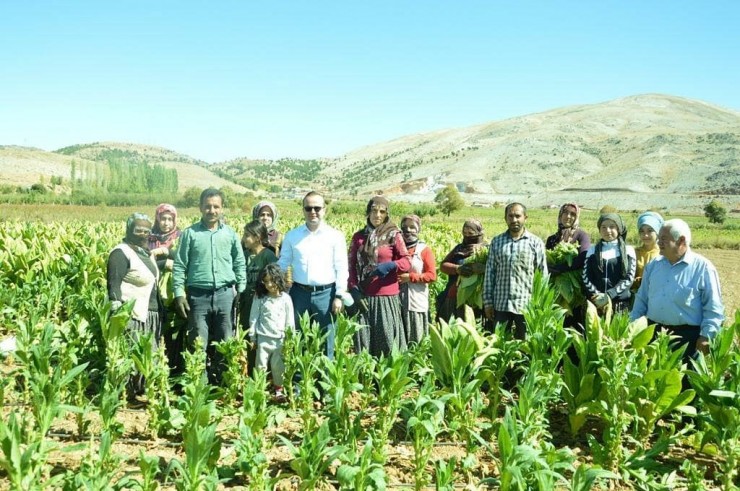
685,293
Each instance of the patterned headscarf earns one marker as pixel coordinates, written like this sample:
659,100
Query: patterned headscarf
131,238
159,239
414,239
258,207
566,234
382,234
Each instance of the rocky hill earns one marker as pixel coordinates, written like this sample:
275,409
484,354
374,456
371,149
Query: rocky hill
643,151
647,144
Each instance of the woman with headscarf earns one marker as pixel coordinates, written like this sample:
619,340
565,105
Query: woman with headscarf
377,255
609,269
569,232
415,283
452,265
132,275
162,246
266,212
648,226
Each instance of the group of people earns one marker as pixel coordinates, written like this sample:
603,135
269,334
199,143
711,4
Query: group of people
662,279
195,284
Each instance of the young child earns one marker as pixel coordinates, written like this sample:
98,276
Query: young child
271,314
610,266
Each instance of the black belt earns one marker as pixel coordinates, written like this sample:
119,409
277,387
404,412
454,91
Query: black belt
313,288
660,325
206,291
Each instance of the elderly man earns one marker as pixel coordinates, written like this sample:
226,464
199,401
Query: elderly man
680,291
317,257
513,258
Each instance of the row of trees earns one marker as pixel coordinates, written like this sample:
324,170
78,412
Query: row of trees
122,175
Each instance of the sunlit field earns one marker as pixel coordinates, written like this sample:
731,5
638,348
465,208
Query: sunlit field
466,408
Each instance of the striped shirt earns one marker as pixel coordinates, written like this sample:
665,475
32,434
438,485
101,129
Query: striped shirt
507,284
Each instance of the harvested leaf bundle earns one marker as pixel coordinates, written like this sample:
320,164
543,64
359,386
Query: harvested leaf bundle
567,283
470,288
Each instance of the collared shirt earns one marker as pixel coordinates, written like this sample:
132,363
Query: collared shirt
209,259
317,258
685,293
507,284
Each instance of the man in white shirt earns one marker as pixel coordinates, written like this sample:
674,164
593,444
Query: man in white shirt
317,256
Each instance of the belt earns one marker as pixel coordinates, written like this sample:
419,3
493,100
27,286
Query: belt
206,291
668,326
313,288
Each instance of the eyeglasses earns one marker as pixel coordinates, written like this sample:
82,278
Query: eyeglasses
314,209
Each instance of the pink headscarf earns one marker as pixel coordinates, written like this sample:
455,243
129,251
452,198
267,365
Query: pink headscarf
159,239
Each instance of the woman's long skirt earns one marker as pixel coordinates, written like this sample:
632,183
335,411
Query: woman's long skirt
383,326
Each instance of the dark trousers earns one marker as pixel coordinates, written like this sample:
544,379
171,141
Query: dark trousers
686,335
210,319
318,305
514,323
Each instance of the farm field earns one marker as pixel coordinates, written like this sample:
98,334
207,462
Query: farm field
467,408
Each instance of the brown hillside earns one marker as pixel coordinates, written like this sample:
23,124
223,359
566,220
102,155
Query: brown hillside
22,166
648,144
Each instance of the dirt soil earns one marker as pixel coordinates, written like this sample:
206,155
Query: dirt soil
727,263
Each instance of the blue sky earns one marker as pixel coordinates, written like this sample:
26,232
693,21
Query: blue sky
221,80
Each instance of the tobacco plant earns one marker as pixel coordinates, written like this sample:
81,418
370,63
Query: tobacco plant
303,352
233,351
547,341
458,353
360,471
717,382
392,381
424,416
201,443
339,379
313,457
152,365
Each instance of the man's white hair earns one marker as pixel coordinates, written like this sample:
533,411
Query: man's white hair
678,228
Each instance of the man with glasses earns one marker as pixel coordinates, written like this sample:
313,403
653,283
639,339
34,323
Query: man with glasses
316,255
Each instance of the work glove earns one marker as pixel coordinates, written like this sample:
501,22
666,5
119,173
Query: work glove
383,269
360,305
478,268
465,270
601,300
182,307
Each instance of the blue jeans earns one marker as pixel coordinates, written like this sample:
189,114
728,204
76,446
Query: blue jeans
210,319
318,305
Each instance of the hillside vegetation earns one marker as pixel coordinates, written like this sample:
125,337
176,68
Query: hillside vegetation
645,151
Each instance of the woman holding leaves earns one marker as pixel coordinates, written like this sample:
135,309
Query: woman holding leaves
458,263
415,283
566,252
162,246
376,257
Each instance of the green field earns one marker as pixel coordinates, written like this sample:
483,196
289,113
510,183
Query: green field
445,414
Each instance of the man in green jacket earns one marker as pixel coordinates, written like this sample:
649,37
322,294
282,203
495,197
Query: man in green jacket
210,266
